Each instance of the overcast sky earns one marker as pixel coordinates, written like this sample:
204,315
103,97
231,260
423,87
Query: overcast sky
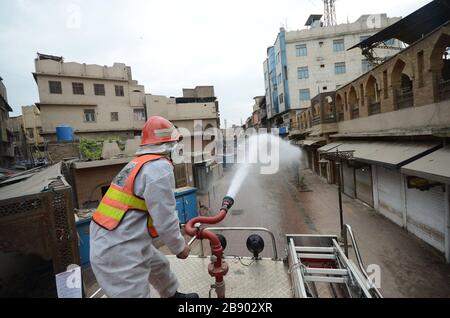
168,44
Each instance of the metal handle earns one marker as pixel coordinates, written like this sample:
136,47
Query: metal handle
348,230
259,229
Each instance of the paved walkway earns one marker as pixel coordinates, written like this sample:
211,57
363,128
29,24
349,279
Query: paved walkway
409,267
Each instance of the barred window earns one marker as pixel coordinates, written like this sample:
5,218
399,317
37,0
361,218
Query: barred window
139,114
55,87
89,115
301,50
119,90
78,88
338,45
99,89
114,116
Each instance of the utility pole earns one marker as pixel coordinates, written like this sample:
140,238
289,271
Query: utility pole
329,14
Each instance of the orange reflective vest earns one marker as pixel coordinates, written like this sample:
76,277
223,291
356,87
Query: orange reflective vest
120,197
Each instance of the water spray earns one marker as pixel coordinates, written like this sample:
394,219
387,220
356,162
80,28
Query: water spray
218,267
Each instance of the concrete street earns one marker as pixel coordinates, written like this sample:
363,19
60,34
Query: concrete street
409,267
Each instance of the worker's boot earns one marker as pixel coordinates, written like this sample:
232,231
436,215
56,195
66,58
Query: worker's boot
188,295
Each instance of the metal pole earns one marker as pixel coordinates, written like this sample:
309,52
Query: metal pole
341,214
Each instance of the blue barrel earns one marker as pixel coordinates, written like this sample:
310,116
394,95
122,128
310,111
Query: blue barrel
64,133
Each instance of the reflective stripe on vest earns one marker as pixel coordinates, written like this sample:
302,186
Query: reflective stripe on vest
120,197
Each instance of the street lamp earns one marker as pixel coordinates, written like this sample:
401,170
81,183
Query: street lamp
338,157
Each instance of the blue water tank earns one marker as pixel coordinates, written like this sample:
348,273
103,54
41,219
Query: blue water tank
64,133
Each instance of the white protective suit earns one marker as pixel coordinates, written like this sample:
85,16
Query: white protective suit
124,260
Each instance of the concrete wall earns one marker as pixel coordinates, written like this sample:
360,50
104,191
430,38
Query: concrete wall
88,183
422,118
158,105
199,91
63,149
31,117
319,43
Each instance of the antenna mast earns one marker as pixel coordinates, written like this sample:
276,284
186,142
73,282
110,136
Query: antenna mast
329,12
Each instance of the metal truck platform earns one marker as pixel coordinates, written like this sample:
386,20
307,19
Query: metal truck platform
263,278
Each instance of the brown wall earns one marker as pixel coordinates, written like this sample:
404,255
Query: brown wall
64,149
89,181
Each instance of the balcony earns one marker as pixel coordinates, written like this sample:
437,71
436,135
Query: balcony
330,118
316,120
404,98
444,90
374,108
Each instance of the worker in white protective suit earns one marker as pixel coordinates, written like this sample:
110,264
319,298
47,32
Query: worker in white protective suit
138,207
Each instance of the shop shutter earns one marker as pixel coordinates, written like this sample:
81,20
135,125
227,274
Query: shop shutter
390,194
425,212
364,190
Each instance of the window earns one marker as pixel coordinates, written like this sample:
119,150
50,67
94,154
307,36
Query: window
281,98
365,66
338,45
119,90
99,89
89,115
279,79
363,37
301,50
78,88
30,132
302,72
55,87
114,116
322,65
277,58
304,94
390,42
139,114
339,68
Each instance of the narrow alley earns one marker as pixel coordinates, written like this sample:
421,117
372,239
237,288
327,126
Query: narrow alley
409,267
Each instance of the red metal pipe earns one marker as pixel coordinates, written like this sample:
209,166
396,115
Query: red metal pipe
219,268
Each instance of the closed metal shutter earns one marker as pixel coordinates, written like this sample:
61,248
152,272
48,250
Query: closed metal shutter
426,215
348,180
390,194
364,190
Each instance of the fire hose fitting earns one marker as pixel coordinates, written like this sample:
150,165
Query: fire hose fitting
227,203
218,267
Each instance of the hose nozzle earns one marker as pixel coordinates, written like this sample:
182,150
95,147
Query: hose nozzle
227,203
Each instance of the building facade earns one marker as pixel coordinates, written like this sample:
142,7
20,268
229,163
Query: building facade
386,136
196,112
306,62
6,149
95,100
31,117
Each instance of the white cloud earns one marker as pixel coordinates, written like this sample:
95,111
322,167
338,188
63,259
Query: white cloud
169,44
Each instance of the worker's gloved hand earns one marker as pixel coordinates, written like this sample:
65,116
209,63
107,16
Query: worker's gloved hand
185,253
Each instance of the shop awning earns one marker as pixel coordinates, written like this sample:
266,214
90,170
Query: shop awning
329,146
309,142
434,166
390,154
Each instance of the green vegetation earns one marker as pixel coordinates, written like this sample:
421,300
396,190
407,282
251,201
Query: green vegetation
91,149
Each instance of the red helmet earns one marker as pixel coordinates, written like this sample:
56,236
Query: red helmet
158,130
